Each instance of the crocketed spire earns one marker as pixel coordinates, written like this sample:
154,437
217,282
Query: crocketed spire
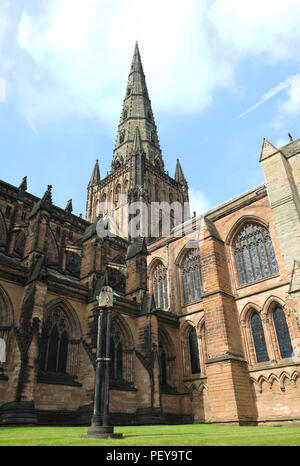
137,111
95,178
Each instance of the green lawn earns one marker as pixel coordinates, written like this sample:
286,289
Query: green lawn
182,435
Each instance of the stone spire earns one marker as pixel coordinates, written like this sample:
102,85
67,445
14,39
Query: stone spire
137,111
179,176
95,178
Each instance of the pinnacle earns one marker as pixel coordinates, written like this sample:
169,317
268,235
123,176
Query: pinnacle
47,197
69,206
23,185
95,178
179,176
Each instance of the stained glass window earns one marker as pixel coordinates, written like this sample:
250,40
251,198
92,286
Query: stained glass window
194,352
259,338
54,344
160,286
191,276
283,334
254,253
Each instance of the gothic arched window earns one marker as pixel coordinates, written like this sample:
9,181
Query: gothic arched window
283,334
54,344
163,365
259,338
194,352
160,286
254,253
191,276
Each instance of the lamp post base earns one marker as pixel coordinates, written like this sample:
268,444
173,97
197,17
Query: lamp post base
101,432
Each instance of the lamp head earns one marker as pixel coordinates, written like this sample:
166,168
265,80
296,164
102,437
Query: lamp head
106,297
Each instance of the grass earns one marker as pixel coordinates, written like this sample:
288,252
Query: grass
182,435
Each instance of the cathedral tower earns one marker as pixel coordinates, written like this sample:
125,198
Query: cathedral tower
137,169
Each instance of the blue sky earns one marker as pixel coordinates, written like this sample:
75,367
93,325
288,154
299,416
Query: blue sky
221,74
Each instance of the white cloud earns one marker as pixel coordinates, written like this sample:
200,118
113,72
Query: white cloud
72,56
82,51
292,105
252,27
266,29
198,202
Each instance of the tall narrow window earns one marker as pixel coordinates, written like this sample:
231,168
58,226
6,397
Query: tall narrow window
54,344
186,286
194,352
63,352
254,253
283,334
163,365
191,276
120,361
53,349
160,286
116,356
259,339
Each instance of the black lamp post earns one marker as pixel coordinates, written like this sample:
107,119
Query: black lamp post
100,424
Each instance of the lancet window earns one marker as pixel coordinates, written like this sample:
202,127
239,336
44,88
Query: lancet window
191,276
160,286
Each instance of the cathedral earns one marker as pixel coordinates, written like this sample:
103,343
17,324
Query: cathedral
205,319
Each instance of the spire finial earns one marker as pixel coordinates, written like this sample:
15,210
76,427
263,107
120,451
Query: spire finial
95,178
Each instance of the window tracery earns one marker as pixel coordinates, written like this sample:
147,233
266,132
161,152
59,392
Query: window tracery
160,286
54,343
254,253
191,276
